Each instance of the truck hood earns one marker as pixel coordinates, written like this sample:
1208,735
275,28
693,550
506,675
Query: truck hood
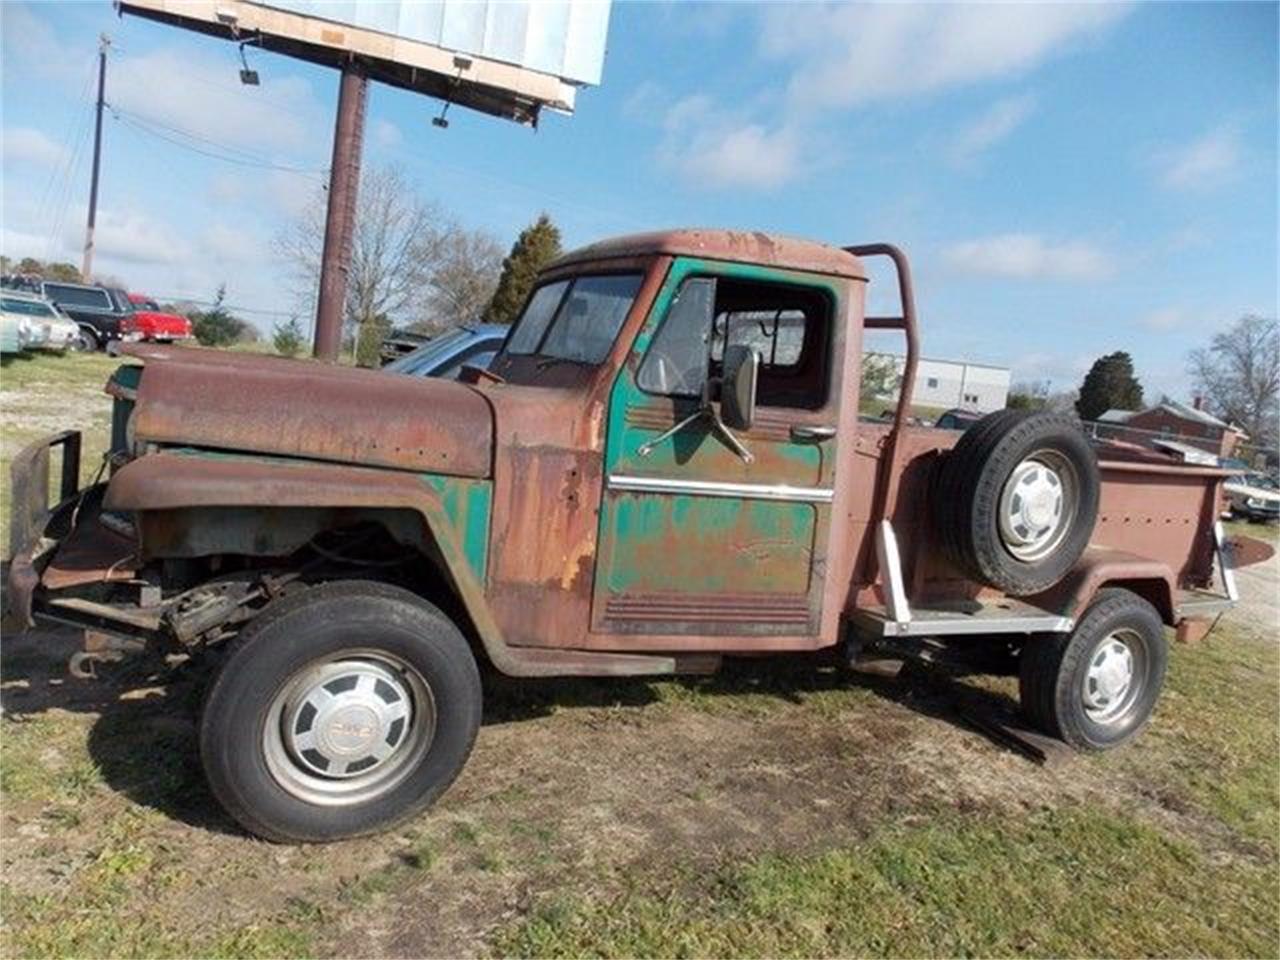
297,408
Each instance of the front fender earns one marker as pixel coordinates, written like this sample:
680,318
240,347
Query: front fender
455,511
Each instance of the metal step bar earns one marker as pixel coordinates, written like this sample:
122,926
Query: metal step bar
1006,615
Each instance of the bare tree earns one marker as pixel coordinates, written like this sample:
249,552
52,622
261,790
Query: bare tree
1238,375
462,279
409,259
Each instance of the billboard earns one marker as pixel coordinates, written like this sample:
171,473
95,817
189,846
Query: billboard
509,58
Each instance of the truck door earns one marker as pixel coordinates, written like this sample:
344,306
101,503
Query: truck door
698,538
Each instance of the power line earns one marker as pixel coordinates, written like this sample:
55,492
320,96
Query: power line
190,141
192,135
257,96
231,307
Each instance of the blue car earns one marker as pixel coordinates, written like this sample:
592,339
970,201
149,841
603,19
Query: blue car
445,355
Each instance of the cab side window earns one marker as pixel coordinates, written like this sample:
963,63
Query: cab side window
788,326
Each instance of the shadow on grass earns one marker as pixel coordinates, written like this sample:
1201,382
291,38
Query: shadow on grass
144,738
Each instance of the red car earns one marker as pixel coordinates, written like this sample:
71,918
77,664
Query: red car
154,324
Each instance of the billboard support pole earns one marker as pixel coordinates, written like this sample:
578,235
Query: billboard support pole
340,218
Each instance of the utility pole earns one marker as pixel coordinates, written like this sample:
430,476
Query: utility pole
86,265
340,219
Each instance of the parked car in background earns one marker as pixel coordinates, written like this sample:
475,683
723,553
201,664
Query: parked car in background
103,314
957,419
153,323
1253,496
445,355
401,343
13,333
47,328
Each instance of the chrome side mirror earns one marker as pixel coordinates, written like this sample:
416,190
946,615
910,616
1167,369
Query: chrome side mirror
738,389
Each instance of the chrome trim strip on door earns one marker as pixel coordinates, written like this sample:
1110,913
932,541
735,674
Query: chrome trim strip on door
712,488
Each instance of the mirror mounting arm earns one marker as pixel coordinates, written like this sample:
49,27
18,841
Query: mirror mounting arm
646,448
731,439
717,426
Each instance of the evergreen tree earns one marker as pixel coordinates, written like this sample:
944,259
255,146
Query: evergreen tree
217,326
537,245
1109,385
288,338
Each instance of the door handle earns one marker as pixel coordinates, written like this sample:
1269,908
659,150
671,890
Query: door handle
805,433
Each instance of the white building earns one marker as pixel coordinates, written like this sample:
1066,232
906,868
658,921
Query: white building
951,383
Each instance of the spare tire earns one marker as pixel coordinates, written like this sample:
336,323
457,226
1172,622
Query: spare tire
1017,499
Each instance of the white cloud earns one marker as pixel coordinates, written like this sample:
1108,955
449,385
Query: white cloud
29,40
1205,161
1061,369
226,189
1164,319
838,56
28,145
993,125
854,53
645,102
716,148
386,134
1029,256
129,237
227,244
292,194
199,94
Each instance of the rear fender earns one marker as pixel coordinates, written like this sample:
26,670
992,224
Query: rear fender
1100,567
454,511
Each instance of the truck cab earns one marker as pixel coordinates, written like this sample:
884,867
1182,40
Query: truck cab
663,466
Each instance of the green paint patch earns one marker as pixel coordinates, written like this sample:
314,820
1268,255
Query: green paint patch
466,506
658,543
1072,882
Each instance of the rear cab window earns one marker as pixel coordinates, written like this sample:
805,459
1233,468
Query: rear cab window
72,296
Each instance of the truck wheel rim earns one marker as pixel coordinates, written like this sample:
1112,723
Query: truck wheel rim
1038,505
1113,682
348,729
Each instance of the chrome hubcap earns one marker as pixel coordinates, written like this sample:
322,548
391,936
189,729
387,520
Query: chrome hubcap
1037,505
349,729
351,718
1112,684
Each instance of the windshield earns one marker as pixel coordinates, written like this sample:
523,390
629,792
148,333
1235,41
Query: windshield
575,320
29,308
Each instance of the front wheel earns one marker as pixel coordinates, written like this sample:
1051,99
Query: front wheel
340,711
1096,687
85,342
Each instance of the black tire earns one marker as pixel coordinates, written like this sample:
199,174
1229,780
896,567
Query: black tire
1055,682
327,627
86,342
971,489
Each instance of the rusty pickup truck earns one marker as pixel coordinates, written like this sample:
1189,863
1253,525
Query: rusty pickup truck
663,466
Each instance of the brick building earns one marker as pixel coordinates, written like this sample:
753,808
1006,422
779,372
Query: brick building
1171,420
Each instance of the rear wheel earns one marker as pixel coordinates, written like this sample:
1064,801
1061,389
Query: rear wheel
1096,687
339,711
85,342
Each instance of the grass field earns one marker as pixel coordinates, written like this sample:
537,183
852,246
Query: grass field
780,808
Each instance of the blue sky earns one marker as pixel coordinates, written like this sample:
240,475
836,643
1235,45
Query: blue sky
1068,179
